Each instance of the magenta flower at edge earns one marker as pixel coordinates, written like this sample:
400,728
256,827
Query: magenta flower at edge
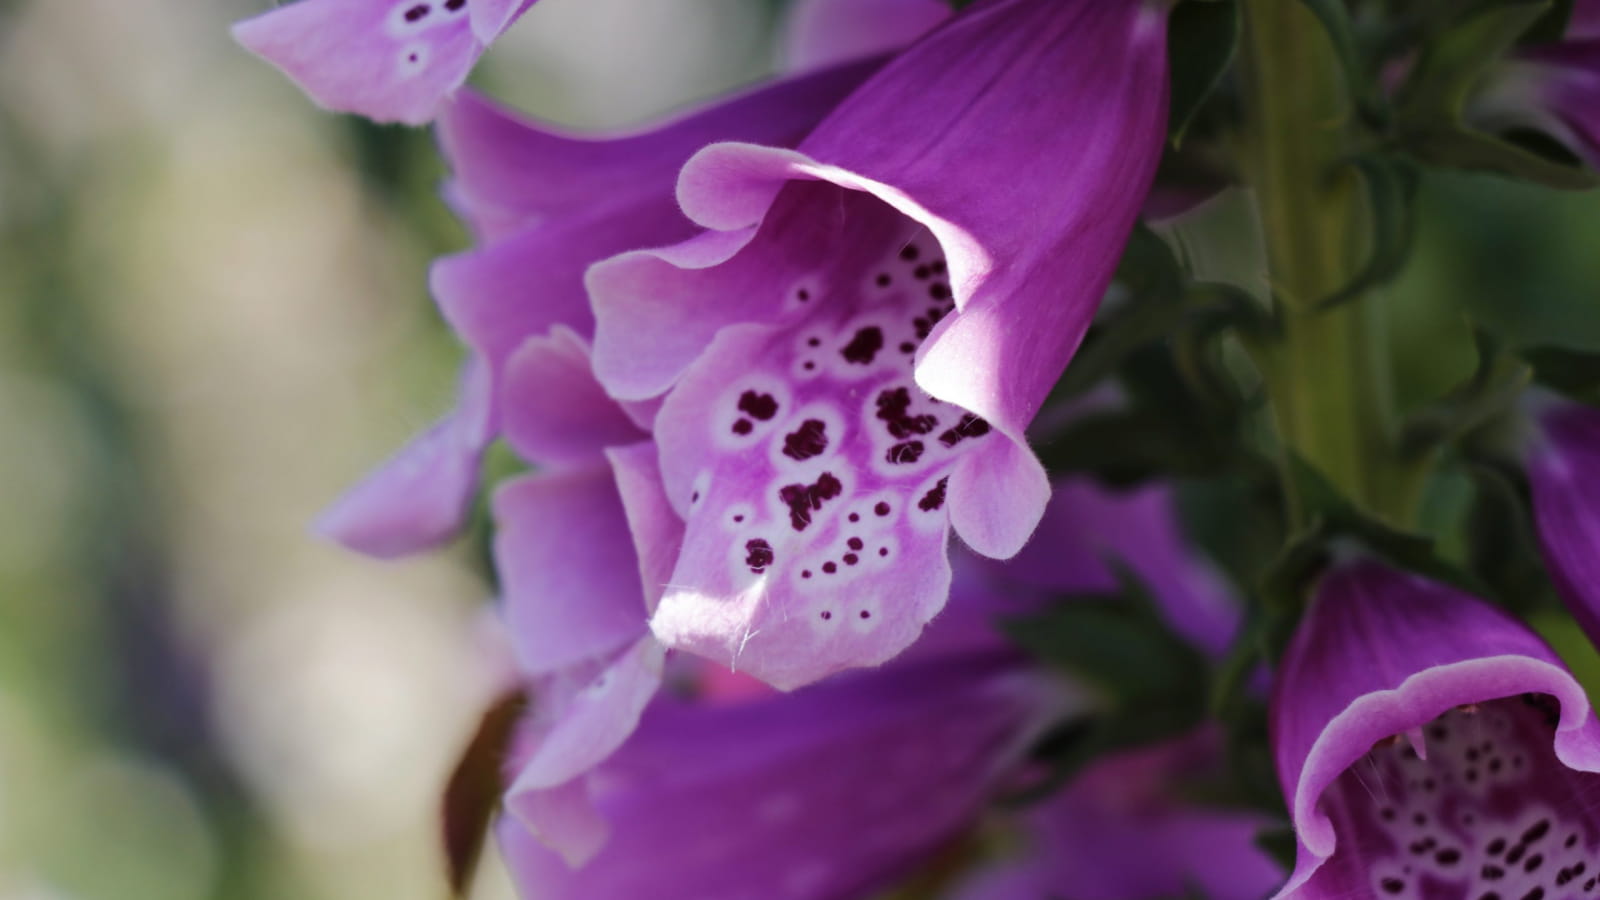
389,60
545,205
1562,460
856,345
1430,746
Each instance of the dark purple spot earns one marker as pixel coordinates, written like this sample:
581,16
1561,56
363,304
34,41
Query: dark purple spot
854,543
1534,862
830,567
1387,814
922,272
826,614
803,295
1490,896
809,440
743,426
883,551
909,252
934,498
922,327
1419,819
881,509
757,405
894,407
758,555
855,517
851,559
1589,885
937,266
938,290
969,426
1392,885
883,279
809,366
1448,857
804,499
418,12
1537,832
904,453
864,347
1515,854
907,347
411,57
814,342
1535,894
739,517
454,5
1571,840
694,497
865,614
1492,873
1496,846
806,573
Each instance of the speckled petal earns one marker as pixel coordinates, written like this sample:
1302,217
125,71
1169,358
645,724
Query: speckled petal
391,60
819,33
1384,659
657,530
859,327
829,792
419,498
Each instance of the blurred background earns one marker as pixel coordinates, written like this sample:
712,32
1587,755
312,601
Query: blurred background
213,318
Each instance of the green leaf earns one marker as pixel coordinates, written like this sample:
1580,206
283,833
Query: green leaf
1491,390
1335,19
1459,147
1203,39
1391,195
1456,59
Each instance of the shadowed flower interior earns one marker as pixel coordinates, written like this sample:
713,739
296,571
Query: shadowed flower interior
815,467
1490,813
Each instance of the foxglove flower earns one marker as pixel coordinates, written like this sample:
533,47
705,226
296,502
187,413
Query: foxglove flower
1561,460
1553,87
855,346
389,60
765,777
1429,745
1123,830
545,205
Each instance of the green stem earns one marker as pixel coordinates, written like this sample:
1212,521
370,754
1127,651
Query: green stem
1326,375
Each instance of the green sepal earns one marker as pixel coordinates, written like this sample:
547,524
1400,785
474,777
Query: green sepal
1335,18
1203,40
1392,184
1493,387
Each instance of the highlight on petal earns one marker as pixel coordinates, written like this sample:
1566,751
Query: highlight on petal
390,60
819,33
832,791
421,497
1501,798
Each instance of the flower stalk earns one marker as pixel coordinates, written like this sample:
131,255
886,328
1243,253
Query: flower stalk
1326,370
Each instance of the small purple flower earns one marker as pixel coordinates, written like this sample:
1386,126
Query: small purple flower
1123,830
390,60
1562,461
1430,746
545,206
852,351
1564,81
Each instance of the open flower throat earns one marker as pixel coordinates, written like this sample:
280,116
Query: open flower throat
1489,814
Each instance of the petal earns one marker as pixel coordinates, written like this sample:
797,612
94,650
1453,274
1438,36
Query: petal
420,497
830,792
556,414
490,17
390,60
657,529
1566,507
511,171
819,33
1381,653
591,723
1088,525
567,568
562,819
1122,830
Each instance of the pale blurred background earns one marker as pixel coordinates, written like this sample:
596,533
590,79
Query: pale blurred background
213,317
